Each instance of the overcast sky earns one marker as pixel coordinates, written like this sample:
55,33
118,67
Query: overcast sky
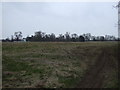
97,18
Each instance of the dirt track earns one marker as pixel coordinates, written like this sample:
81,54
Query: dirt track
94,77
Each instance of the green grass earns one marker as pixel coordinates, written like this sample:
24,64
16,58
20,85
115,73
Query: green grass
51,64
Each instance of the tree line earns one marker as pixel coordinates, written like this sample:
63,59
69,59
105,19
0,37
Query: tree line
40,36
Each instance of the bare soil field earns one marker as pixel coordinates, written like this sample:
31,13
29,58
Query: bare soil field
60,65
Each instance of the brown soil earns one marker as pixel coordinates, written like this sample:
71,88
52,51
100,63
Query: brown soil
94,77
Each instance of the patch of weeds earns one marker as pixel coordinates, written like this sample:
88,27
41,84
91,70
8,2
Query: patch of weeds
112,80
50,56
12,65
35,71
69,82
112,84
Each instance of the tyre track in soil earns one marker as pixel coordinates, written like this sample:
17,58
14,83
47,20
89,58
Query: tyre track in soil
94,77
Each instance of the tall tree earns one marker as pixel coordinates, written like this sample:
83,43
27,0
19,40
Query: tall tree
61,37
74,37
67,36
52,37
81,39
18,35
87,36
38,36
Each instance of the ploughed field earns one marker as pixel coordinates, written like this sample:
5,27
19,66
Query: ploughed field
60,64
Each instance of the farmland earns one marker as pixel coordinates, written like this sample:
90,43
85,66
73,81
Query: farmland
59,64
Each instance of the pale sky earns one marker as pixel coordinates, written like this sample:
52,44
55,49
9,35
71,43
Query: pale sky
97,18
